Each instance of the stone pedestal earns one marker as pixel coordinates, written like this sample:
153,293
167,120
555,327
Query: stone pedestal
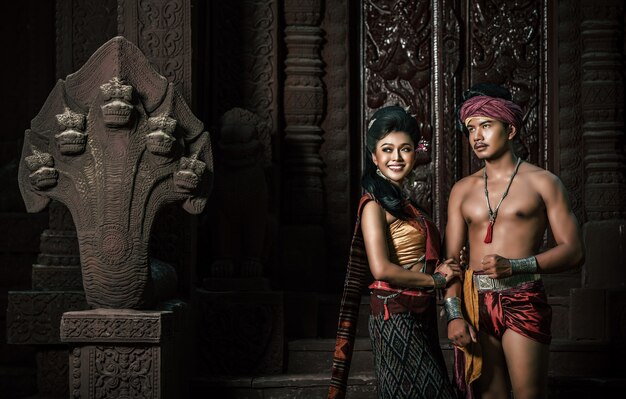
117,353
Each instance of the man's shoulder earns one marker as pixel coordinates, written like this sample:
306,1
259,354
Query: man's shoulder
468,181
543,180
539,174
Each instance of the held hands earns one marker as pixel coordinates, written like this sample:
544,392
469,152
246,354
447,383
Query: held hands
461,333
450,269
495,266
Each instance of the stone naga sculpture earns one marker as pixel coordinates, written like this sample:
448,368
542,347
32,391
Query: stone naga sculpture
115,142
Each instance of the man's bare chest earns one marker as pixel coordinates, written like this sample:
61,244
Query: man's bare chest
520,204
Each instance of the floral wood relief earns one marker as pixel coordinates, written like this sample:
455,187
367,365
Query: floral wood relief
506,47
398,52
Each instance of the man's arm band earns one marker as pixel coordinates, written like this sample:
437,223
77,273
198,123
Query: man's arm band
452,307
524,265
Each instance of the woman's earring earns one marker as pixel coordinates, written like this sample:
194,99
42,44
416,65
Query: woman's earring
379,173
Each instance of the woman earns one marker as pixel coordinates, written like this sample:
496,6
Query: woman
401,246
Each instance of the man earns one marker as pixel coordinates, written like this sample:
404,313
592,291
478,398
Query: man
503,211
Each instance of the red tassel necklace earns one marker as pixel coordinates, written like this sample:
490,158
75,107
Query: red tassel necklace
493,214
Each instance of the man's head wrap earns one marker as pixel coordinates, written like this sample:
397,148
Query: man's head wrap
492,107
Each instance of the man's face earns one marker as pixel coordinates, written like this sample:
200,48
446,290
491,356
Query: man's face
488,137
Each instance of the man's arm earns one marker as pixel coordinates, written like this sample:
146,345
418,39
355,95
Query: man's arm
568,252
459,331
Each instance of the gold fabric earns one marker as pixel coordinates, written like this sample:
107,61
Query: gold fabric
406,244
473,353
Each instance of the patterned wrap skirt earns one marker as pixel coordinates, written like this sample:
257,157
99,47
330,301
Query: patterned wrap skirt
405,343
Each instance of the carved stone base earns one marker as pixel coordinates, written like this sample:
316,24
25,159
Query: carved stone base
33,317
117,353
239,333
57,278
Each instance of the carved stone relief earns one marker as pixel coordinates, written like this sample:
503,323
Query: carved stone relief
115,143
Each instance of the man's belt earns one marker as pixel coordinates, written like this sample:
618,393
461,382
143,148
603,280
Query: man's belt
486,283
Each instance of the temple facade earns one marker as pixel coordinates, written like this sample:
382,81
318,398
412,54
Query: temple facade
282,89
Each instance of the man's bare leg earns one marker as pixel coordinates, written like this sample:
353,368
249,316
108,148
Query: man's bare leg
527,362
493,382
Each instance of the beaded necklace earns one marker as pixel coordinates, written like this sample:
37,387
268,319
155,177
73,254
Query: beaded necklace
493,214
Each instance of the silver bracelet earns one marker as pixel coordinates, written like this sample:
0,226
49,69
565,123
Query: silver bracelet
524,265
452,307
439,281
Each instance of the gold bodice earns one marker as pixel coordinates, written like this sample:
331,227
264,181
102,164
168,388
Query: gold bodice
406,244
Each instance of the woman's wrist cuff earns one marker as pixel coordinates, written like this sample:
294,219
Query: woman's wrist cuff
439,281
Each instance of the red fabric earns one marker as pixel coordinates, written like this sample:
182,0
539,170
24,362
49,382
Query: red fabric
400,304
492,107
523,309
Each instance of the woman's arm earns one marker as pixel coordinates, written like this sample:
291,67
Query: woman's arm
374,227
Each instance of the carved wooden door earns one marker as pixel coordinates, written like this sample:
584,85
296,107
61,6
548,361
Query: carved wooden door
423,53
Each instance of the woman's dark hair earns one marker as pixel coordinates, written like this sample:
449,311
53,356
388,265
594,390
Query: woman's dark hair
491,90
384,121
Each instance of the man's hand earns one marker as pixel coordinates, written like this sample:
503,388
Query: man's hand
495,266
461,333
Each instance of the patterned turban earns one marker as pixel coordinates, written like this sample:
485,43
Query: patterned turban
493,108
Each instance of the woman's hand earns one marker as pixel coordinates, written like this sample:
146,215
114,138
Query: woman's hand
450,269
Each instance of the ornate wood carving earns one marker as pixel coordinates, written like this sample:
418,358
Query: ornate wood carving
446,143
335,151
603,110
507,44
115,142
397,70
304,103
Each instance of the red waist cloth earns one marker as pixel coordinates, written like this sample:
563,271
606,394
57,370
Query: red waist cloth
389,300
523,309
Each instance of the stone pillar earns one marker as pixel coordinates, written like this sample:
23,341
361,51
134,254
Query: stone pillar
304,103
304,106
602,94
117,353
603,135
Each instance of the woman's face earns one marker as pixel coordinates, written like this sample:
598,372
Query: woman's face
395,156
